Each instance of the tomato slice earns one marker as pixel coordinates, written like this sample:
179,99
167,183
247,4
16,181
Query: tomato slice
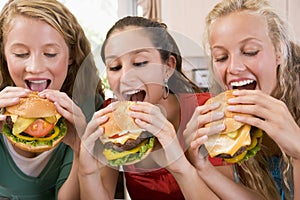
115,136
39,128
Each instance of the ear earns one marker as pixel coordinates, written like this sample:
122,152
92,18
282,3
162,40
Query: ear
70,61
278,58
171,66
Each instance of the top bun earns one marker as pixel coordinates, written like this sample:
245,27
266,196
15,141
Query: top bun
119,121
32,106
228,120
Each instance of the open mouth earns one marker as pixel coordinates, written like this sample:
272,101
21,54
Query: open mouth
38,85
244,85
135,95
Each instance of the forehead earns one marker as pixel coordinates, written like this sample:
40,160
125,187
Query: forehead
122,42
238,26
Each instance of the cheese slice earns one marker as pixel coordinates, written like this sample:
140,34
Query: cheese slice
111,155
122,139
218,144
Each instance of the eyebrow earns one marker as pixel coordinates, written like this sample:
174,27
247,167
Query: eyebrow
240,42
137,51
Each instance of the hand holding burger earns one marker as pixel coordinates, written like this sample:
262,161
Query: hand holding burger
238,141
124,142
33,124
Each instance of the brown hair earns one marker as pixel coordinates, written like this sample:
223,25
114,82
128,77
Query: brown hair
164,43
61,19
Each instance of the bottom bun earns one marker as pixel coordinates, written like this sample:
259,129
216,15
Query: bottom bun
35,149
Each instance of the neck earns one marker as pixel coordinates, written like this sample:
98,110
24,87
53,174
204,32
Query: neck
172,109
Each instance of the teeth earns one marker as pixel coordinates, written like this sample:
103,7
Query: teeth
241,83
132,92
128,94
38,81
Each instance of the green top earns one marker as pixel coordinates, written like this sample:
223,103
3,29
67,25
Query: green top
14,184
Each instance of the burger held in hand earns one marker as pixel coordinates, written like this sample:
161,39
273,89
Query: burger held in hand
33,124
124,142
238,141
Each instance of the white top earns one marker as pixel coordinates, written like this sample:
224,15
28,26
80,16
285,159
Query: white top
29,166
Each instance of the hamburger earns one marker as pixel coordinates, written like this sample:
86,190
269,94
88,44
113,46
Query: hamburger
33,124
238,141
124,142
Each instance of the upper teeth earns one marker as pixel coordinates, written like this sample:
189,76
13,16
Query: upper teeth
132,92
241,83
38,81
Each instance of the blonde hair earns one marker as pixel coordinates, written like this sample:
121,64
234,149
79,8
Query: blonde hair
61,19
252,172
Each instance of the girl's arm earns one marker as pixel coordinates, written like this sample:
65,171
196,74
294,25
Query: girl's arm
191,185
220,181
223,186
170,155
96,180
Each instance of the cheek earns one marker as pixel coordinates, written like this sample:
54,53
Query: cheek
154,93
59,72
15,69
219,75
268,79
113,80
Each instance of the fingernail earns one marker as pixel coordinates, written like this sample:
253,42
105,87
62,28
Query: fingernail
219,114
104,117
220,127
204,138
215,104
235,92
230,108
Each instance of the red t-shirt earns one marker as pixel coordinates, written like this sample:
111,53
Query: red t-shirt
160,183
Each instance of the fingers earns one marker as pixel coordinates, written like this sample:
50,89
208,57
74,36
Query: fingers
11,95
150,118
197,142
94,125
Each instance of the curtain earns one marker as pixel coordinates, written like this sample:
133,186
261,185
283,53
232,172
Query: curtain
151,9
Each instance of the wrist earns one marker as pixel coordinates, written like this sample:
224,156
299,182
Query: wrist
180,166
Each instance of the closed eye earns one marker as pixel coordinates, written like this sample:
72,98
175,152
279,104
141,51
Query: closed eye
21,55
115,68
251,53
220,59
140,64
50,55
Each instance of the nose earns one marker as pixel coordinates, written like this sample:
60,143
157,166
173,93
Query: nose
35,65
236,65
127,73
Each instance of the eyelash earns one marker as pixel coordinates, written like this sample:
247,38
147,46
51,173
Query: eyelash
50,55
222,59
251,53
24,55
21,55
118,67
139,64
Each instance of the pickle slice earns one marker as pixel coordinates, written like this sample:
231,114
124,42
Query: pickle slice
21,124
51,119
